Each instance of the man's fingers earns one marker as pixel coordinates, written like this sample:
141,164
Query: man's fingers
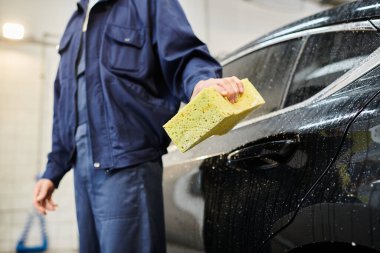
238,83
36,190
37,201
43,193
229,87
40,206
234,85
223,91
232,89
42,196
50,205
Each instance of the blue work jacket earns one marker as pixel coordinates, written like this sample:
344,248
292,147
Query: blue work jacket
142,60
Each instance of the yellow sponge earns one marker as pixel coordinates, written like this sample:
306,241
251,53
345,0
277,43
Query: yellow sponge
209,113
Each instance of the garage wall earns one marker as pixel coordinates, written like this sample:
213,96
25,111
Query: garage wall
26,75
24,127
228,24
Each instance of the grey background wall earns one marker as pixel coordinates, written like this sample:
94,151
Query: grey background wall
26,75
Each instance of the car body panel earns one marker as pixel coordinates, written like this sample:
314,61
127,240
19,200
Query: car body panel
184,205
276,192
345,205
190,183
235,192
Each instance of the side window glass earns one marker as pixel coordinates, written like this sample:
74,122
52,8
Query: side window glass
269,70
325,58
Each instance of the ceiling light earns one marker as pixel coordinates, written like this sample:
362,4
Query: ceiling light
13,31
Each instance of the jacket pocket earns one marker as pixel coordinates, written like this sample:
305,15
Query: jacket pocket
64,43
122,48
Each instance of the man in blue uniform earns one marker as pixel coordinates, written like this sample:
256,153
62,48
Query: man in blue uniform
125,67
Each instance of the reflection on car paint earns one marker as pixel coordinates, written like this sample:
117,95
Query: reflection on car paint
187,187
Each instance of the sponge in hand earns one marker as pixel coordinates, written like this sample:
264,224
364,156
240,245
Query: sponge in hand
209,113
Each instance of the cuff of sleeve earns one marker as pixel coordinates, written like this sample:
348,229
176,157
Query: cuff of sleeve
53,175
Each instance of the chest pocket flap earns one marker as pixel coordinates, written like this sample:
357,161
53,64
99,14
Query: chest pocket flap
64,43
127,36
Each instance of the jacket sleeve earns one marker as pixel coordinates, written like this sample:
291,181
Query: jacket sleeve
59,158
184,59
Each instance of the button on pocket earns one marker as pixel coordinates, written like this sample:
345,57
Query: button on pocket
122,47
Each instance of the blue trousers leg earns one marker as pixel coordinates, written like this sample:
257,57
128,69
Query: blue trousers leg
88,236
119,210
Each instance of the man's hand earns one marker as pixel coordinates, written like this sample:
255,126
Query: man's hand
229,87
43,196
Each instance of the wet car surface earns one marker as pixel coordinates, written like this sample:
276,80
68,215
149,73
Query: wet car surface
302,173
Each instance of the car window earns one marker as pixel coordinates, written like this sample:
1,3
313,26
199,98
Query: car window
269,70
325,58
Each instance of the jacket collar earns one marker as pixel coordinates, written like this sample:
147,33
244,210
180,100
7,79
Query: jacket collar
83,3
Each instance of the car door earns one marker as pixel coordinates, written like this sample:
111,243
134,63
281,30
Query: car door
341,212
183,196
253,191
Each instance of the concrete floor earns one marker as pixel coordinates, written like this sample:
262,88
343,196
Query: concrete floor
178,249
170,249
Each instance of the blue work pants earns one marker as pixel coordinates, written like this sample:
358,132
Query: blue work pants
118,210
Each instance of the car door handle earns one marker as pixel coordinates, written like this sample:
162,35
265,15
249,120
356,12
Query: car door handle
265,155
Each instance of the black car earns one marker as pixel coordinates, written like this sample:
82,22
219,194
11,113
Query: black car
302,173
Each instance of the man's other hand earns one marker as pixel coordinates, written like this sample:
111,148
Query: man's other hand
229,87
43,191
